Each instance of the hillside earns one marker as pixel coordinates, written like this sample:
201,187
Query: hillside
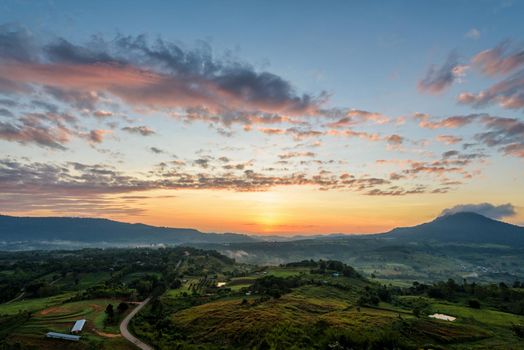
204,300
44,232
462,228
462,245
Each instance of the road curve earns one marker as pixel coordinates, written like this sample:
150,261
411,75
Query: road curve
123,326
125,332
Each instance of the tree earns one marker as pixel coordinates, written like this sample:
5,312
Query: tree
474,304
176,284
110,312
122,307
416,312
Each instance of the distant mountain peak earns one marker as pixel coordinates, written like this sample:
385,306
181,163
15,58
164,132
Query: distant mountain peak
464,215
462,227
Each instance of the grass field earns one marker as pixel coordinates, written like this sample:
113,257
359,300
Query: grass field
52,315
85,280
33,304
485,316
60,318
285,272
295,316
138,275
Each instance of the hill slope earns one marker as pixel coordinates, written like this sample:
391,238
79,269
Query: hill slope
89,231
462,228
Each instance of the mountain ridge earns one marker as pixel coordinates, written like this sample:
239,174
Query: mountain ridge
90,230
462,227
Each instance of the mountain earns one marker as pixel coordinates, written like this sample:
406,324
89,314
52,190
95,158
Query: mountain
52,231
464,227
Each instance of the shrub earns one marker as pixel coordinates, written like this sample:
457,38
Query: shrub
474,304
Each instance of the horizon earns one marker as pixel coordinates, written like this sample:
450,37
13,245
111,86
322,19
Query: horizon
351,118
273,234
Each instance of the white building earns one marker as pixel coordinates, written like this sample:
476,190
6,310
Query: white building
79,325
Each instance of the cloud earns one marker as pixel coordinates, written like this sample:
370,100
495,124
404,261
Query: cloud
156,75
80,99
350,117
507,134
508,93
437,79
473,33
102,114
290,155
499,60
6,113
426,121
156,150
486,209
46,130
395,140
97,136
79,180
448,139
140,130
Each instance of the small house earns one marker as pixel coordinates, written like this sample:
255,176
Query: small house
55,335
78,326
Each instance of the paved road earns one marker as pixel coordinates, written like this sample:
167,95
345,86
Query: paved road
123,326
125,332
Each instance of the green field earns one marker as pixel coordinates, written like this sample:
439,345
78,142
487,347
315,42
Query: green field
60,317
33,304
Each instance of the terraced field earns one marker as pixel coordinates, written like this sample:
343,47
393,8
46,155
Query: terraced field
58,317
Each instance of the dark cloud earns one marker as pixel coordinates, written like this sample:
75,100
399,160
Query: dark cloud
36,129
290,155
395,140
141,130
46,106
147,73
397,191
7,102
439,78
202,162
6,113
17,44
486,209
78,180
87,100
506,134
156,150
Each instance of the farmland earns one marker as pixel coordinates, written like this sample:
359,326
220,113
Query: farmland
201,299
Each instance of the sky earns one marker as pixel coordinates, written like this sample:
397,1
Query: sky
266,117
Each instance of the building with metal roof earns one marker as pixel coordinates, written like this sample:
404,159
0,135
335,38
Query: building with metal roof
63,336
78,326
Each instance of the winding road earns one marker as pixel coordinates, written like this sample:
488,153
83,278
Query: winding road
125,323
127,334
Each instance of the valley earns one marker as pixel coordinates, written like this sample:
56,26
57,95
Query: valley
201,299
